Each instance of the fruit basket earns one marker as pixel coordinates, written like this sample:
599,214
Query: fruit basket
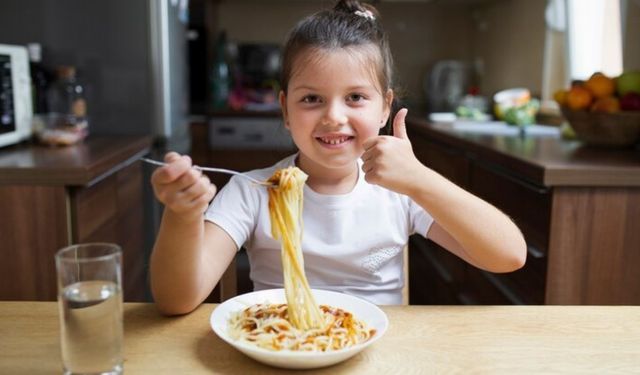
619,129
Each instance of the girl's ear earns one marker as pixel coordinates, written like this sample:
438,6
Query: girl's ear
388,101
282,98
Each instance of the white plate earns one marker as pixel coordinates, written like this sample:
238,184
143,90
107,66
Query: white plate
361,309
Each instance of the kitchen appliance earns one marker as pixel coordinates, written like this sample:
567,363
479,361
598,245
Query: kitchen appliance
249,133
15,95
131,55
446,84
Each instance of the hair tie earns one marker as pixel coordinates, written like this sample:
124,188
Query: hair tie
365,13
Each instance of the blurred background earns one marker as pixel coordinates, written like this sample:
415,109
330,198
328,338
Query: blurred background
201,76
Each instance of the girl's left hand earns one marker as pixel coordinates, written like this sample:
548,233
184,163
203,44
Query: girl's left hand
389,160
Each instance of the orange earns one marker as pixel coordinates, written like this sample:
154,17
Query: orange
600,85
608,104
579,98
560,96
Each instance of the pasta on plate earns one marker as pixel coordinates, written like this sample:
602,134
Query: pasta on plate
267,326
300,324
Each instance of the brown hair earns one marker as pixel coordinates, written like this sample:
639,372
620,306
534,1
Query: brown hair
350,24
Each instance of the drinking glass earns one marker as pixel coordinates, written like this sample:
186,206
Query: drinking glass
90,303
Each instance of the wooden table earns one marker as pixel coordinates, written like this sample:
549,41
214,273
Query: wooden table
420,339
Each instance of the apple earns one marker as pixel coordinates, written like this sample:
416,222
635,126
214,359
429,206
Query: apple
630,102
607,104
628,82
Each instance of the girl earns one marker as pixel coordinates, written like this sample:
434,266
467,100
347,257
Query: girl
364,196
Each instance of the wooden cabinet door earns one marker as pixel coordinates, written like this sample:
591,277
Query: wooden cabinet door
33,226
528,205
444,159
112,211
436,275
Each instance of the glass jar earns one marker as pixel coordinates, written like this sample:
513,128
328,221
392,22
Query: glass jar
67,99
67,118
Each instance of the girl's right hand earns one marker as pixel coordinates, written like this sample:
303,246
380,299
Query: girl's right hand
181,188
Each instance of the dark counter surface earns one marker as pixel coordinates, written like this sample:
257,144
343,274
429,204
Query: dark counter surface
543,160
81,164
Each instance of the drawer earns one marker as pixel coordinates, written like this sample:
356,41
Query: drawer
478,289
449,267
463,283
94,209
524,286
528,205
429,282
439,277
443,159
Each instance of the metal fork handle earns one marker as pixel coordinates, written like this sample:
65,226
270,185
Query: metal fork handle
210,169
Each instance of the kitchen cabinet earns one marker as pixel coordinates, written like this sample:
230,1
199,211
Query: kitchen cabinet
577,206
54,197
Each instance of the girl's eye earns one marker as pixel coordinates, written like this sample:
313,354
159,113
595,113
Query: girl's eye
311,99
355,97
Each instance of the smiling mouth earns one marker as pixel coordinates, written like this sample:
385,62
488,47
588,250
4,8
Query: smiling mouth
334,140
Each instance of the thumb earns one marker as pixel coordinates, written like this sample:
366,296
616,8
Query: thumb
399,127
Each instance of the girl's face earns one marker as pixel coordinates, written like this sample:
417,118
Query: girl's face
333,104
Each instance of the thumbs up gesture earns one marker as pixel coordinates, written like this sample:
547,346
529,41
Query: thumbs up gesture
389,160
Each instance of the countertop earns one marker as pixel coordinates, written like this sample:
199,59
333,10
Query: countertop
545,160
420,339
80,164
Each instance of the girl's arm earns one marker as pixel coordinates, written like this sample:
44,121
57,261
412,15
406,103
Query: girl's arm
189,255
464,224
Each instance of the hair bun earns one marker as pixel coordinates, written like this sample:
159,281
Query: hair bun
356,7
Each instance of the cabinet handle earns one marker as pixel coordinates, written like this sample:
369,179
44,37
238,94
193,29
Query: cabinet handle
505,290
534,252
466,299
441,270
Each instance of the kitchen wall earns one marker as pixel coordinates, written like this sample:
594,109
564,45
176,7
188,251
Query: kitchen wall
107,40
504,38
632,36
509,40
420,33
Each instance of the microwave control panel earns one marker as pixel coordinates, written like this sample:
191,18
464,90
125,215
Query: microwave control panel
7,111
15,95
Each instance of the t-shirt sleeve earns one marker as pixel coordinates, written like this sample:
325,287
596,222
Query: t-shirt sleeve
234,210
419,219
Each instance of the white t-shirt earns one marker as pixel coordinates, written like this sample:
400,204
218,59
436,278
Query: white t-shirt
352,243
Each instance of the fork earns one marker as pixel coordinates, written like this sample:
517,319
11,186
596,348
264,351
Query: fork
217,170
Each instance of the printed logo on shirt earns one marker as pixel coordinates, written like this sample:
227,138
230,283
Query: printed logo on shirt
378,257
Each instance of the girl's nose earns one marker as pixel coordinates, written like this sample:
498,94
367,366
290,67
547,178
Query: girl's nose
335,114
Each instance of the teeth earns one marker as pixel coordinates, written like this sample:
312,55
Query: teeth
334,141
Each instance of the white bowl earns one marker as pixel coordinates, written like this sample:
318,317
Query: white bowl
361,309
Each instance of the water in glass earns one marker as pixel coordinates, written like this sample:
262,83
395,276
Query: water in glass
92,329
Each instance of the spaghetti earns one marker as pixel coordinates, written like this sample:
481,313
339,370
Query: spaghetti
300,324
285,210
268,326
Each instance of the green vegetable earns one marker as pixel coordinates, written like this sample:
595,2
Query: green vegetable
522,115
566,131
471,113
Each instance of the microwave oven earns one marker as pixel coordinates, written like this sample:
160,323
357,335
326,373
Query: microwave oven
15,95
